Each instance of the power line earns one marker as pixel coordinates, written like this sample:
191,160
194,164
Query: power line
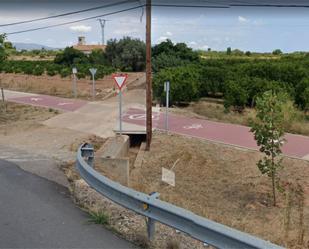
191,6
67,14
75,21
98,16
154,5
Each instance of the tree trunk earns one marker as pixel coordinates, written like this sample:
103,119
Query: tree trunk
274,188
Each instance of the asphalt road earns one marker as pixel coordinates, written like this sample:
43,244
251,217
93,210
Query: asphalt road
37,213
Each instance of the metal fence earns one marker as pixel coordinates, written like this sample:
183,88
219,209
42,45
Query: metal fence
202,229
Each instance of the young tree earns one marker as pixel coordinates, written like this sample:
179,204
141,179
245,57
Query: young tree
2,48
268,129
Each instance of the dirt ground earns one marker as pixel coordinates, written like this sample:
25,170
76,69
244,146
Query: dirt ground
16,117
62,87
224,184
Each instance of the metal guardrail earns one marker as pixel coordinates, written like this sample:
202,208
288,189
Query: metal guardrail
202,229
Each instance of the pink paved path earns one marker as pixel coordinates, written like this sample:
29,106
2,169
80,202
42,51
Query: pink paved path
63,104
296,145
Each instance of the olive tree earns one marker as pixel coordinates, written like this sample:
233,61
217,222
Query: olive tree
268,129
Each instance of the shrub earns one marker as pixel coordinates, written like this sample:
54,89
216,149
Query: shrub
70,56
184,84
65,72
235,95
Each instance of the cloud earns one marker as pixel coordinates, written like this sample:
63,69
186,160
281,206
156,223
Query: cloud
242,19
81,28
204,47
162,39
192,43
168,33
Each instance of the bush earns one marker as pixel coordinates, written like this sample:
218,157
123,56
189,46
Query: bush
65,72
235,95
38,70
184,84
70,56
127,54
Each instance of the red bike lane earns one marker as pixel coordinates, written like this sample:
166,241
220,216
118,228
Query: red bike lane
236,135
62,104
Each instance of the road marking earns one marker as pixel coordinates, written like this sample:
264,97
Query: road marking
143,117
193,126
306,157
62,104
36,99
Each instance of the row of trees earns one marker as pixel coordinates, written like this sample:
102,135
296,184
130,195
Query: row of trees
45,67
126,54
239,82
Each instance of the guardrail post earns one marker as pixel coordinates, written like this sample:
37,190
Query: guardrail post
151,225
88,152
151,228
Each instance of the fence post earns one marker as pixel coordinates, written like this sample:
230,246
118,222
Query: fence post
3,99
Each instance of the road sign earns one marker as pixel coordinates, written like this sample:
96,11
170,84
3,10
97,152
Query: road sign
93,71
120,80
74,70
167,90
168,176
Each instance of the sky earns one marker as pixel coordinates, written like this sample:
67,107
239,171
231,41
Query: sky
260,29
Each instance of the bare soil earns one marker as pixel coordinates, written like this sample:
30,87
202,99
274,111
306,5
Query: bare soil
62,87
15,117
224,184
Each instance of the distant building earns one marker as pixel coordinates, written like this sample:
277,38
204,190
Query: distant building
86,49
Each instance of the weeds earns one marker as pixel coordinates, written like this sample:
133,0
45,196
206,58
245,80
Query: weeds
99,218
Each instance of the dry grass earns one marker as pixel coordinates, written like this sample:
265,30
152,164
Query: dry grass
16,116
216,112
224,184
61,87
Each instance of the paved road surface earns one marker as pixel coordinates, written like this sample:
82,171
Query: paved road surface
238,135
100,118
36,213
63,104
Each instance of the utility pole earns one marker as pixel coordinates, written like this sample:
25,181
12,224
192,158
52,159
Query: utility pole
148,76
102,23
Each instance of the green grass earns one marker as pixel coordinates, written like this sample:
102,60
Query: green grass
99,218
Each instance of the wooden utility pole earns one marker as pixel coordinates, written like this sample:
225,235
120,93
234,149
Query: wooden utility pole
148,76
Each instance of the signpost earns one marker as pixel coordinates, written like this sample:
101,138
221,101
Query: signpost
120,80
167,90
74,71
93,71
